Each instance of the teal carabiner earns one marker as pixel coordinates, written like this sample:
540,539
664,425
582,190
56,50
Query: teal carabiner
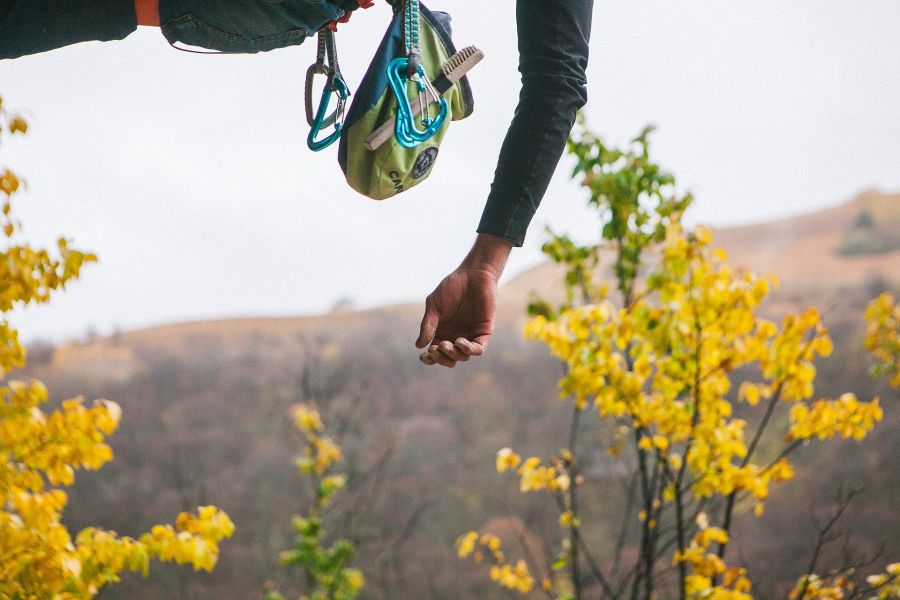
408,135
335,84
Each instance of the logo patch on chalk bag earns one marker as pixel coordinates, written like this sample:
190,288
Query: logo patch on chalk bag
424,162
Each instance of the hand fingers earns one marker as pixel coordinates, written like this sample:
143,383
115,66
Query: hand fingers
452,351
482,341
429,324
468,348
447,354
434,352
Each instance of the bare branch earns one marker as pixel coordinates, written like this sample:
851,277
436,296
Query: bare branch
824,537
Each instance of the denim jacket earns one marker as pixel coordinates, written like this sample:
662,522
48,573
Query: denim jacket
245,27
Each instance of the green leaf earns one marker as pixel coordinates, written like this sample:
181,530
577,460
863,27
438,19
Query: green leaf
560,563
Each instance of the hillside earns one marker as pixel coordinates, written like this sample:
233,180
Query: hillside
205,408
804,252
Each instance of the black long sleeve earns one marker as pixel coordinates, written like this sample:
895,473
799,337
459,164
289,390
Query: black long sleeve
553,56
31,26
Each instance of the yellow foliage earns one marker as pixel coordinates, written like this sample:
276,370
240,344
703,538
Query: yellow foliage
883,336
515,576
321,452
533,476
846,416
507,459
40,451
568,519
466,544
307,418
663,364
707,566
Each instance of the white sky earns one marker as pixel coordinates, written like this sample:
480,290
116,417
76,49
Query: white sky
189,175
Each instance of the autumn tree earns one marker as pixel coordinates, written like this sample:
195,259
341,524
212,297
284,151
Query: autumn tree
707,399
42,448
323,564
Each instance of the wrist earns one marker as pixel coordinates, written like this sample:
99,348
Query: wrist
489,253
147,12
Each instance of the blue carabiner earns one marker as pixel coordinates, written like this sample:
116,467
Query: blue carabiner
405,130
335,85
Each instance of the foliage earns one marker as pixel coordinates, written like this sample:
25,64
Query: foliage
660,366
636,200
41,449
512,576
883,336
326,574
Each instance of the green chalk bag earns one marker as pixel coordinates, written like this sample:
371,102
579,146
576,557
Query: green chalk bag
385,151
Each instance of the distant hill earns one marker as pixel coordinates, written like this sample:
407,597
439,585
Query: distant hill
205,407
804,252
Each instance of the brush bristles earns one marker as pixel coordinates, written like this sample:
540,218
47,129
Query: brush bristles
460,58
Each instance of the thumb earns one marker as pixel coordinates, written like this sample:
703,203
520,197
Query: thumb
429,324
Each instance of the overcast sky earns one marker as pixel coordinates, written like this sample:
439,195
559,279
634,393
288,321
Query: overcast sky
189,175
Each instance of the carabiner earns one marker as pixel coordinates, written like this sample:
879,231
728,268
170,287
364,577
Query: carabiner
405,130
317,68
336,84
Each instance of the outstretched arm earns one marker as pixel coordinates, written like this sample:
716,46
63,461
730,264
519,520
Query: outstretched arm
553,55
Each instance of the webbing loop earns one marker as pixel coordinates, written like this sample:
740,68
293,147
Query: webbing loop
411,35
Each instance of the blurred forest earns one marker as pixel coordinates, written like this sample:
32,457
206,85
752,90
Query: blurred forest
206,421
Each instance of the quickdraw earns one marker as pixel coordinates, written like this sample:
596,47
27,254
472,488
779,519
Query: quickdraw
409,68
334,84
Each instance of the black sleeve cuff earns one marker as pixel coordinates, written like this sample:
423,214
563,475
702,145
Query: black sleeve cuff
505,220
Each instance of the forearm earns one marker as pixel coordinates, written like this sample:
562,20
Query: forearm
553,48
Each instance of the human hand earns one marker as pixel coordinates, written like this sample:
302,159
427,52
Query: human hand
333,25
459,313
